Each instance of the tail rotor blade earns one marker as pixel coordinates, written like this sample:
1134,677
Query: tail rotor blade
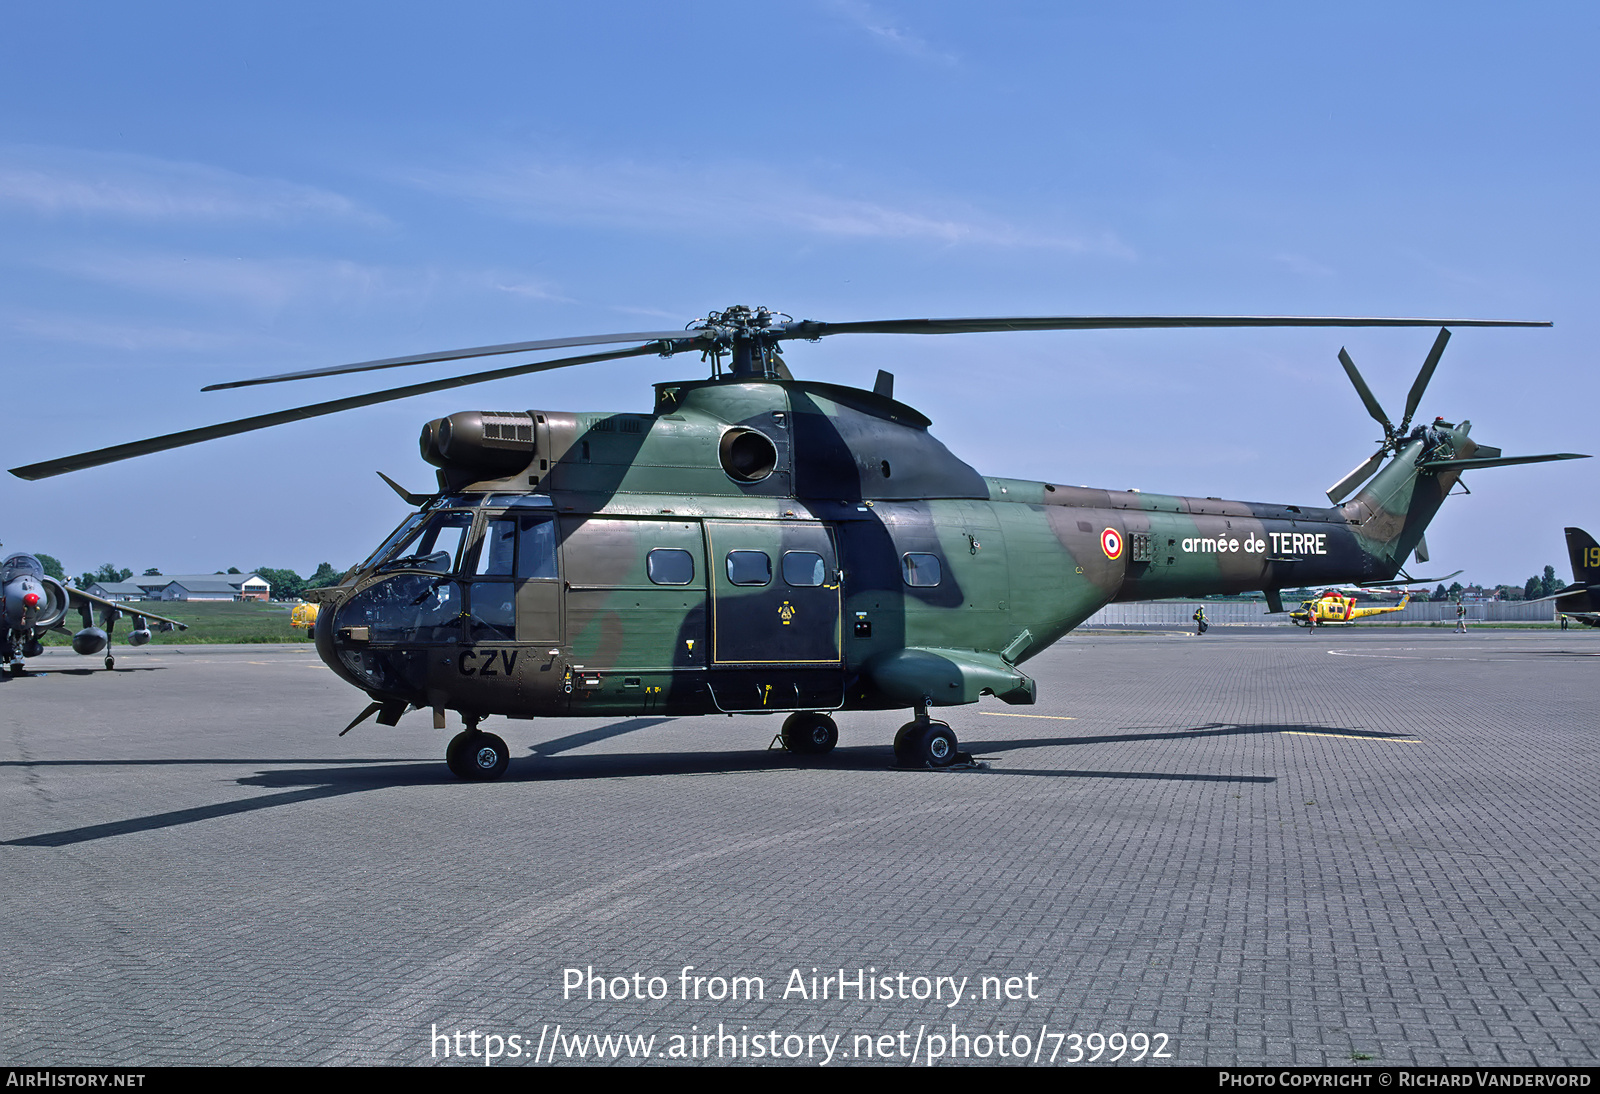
1366,394
1421,385
1345,486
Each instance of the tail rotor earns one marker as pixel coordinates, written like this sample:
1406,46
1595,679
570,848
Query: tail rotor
1393,438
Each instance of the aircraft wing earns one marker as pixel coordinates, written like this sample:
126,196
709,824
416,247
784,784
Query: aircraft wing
78,597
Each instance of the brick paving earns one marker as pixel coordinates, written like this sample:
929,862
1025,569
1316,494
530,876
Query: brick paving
1271,847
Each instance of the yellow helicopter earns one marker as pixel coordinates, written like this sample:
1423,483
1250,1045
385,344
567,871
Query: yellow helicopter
1334,609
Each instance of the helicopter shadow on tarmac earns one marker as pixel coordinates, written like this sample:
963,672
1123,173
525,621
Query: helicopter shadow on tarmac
310,783
28,674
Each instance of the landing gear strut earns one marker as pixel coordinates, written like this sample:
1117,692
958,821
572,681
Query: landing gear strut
477,756
923,742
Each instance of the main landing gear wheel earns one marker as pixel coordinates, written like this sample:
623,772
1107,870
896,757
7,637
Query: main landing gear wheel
111,662
809,733
925,744
476,756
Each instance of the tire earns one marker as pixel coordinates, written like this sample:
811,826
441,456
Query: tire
810,734
478,757
931,745
455,754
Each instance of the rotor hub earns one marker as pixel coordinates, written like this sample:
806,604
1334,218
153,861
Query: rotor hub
747,336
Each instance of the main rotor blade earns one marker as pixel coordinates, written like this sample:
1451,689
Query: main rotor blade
1421,384
1366,395
811,328
282,417
459,354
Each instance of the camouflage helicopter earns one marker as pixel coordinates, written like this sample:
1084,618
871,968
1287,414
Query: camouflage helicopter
757,544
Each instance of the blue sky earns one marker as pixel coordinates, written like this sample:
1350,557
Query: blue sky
192,193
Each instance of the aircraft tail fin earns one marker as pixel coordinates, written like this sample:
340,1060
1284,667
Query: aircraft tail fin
1393,509
1584,593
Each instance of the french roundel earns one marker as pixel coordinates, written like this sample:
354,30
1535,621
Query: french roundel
1111,543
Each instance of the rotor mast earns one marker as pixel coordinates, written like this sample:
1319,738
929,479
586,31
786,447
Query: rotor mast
746,335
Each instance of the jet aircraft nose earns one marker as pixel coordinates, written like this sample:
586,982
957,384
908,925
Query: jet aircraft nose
31,600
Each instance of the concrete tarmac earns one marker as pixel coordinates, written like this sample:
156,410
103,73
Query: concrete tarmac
1354,847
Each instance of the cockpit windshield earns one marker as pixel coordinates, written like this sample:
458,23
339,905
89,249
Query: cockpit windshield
19,565
400,533
432,544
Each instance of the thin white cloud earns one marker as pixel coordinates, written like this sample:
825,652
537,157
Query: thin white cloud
533,290
649,313
1451,274
85,331
263,283
733,199
53,181
885,32
1300,264
269,285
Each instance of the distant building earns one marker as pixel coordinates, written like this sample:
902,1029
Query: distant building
187,587
117,590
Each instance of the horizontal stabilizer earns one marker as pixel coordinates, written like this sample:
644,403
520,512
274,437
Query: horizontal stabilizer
1571,598
1502,461
1571,601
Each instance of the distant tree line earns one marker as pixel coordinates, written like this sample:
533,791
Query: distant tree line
107,574
285,583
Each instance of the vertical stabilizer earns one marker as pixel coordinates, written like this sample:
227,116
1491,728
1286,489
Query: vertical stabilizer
1584,595
1392,512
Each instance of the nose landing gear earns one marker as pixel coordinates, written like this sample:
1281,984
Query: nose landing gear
477,756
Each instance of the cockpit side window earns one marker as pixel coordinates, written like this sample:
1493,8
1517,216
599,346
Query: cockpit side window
498,550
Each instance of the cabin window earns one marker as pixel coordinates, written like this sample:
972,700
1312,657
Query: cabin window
749,568
803,569
670,566
921,570
536,546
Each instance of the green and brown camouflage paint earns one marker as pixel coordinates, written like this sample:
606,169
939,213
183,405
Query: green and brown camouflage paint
851,485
